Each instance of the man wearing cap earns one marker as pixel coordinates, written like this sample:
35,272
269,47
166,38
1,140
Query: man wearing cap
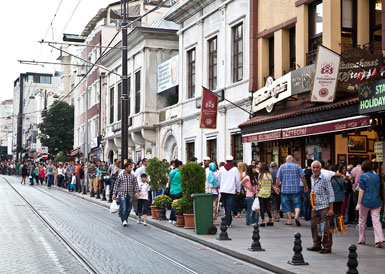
206,162
229,185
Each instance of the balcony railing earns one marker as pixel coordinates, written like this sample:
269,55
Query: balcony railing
374,47
311,57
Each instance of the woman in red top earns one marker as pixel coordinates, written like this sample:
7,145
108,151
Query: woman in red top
41,174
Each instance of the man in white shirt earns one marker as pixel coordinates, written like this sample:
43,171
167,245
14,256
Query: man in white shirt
229,185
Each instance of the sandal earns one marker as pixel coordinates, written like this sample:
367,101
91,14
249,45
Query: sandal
361,243
263,224
378,245
288,223
276,220
270,223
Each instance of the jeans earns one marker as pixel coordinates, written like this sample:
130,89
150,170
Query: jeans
60,180
112,183
50,179
69,179
31,180
251,215
174,197
228,201
125,207
305,204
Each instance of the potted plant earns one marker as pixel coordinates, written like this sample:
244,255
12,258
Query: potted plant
193,179
179,206
158,201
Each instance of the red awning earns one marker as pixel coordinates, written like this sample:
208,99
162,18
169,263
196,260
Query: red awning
311,129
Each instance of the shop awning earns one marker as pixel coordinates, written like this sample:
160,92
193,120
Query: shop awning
75,152
310,129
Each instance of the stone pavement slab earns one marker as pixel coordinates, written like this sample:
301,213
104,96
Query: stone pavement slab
278,241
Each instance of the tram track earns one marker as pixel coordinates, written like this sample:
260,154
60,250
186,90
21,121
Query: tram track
78,254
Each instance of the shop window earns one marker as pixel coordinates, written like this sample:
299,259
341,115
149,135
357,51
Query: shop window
112,105
119,101
237,32
191,73
190,150
348,24
237,147
212,149
137,92
213,64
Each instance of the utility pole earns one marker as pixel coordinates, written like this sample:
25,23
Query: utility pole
124,95
20,118
86,133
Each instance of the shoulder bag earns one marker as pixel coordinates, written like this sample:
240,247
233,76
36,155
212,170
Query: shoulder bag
378,194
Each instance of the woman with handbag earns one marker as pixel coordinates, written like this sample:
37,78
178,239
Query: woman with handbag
369,199
250,183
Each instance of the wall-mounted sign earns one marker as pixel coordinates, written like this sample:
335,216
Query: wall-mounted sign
262,136
326,73
302,79
378,147
372,97
168,74
271,93
94,142
357,60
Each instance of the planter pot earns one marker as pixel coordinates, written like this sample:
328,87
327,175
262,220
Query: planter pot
153,214
179,220
157,213
189,220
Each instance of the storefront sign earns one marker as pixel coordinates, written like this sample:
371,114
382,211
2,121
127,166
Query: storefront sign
44,149
209,110
168,74
302,79
357,60
378,147
262,136
324,127
325,79
273,92
372,97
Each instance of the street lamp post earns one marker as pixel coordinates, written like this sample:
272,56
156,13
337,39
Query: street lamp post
124,96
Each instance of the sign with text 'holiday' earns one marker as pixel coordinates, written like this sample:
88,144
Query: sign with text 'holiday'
273,92
209,110
372,97
326,73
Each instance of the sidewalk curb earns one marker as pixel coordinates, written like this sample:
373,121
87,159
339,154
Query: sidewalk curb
216,247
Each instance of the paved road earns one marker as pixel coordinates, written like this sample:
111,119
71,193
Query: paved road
27,245
112,248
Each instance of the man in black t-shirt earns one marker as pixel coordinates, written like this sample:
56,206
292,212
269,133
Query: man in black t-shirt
306,202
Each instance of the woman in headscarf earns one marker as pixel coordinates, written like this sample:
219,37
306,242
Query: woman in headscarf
212,185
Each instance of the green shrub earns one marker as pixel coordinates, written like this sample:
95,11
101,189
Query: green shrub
157,171
158,200
193,178
185,205
177,205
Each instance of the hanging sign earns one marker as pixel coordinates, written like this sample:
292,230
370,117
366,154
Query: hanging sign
209,110
372,97
326,73
168,74
378,147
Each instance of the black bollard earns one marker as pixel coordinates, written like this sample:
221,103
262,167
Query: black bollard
352,262
223,235
163,212
297,257
256,245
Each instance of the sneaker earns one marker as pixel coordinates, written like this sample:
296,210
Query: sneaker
174,222
124,223
144,223
170,221
138,221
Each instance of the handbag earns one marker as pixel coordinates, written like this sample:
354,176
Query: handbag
255,206
378,194
114,207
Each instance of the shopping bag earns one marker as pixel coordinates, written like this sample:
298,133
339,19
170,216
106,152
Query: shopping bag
114,207
107,190
255,206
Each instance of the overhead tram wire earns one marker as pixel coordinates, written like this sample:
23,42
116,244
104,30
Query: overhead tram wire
109,44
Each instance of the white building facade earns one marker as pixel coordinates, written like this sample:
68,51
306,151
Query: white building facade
6,112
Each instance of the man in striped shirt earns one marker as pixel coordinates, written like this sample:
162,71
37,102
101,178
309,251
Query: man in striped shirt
126,188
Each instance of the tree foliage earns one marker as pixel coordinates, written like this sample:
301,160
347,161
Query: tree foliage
57,129
61,157
157,170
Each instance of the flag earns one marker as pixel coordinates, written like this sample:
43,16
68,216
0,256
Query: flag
369,74
363,76
359,77
209,110
382,71
374,72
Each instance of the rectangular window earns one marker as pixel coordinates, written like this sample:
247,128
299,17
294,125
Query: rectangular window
237,52
271,56
237,147
129,96
191,73
119,101
292,46
212,149
348,24
45,79
190,150
137,92
112,105
213,64
315,25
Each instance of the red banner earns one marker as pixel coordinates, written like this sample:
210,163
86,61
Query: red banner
209,110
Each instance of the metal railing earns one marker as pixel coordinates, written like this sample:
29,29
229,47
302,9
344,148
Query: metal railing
311,57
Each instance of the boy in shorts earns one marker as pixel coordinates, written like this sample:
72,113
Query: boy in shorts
144,188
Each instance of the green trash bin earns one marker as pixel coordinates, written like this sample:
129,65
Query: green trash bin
203,212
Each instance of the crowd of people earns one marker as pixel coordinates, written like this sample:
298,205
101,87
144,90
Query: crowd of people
317,193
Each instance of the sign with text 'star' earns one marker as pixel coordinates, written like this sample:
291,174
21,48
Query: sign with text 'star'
371,97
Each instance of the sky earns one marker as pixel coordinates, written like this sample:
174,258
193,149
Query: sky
29,21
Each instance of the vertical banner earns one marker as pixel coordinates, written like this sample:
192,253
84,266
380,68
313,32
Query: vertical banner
325,78
209,110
